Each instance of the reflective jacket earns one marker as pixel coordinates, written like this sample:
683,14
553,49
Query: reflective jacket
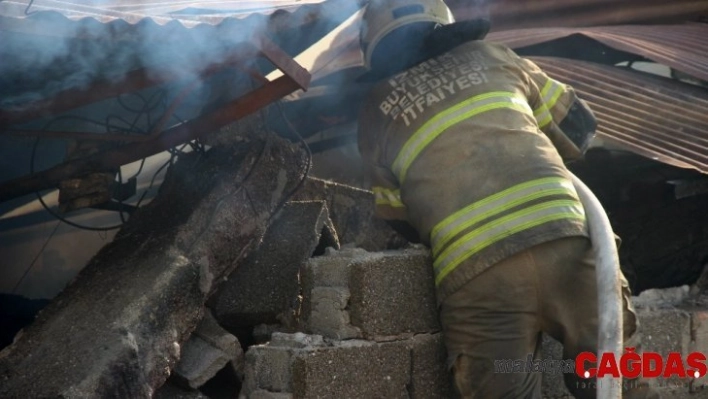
466,148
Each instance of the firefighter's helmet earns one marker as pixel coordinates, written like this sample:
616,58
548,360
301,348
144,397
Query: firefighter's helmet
390,26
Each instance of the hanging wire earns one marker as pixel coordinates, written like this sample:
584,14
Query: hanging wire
148,106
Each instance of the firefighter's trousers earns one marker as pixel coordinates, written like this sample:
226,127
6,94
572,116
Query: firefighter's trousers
500,314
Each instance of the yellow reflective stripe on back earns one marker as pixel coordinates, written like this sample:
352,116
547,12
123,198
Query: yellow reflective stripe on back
451,116
492,232
385,196
495,204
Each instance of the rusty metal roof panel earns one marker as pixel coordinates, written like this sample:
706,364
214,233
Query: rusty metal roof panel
657,117
515,14
682,47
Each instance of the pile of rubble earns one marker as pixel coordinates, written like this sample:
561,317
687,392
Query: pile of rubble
243,214
246,278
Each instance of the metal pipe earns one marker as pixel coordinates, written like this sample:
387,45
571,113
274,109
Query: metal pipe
609,286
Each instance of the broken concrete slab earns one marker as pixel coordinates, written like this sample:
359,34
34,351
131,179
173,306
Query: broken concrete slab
117,329
352,212
207,351
265,287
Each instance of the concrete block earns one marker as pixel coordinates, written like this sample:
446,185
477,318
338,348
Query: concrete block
327,314
393,293
200,362
206,352
352,370
409,368
378,296
430,378
265,287
325,293
268,368
665,330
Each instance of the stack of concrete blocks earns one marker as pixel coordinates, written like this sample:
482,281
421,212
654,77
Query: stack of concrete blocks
369,329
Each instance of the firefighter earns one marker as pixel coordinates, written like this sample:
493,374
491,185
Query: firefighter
465,144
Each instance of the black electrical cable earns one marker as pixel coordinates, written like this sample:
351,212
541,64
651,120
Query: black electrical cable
120,168
152,181
148,106
39,196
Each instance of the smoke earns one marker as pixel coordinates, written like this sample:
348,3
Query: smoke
53,53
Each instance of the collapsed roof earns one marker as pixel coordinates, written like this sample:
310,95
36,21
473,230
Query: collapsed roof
96,52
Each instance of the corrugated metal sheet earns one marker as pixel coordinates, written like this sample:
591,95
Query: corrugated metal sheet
656,117
682,47
515,14
187,13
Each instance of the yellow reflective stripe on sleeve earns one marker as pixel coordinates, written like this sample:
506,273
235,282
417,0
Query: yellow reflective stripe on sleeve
550,94
543,116
486,235
385,196
495,204
551,91
451,116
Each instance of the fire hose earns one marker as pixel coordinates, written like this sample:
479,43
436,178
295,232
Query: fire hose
609,288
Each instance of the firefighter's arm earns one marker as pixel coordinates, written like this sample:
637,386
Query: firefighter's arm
384,184
388,203
561,115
